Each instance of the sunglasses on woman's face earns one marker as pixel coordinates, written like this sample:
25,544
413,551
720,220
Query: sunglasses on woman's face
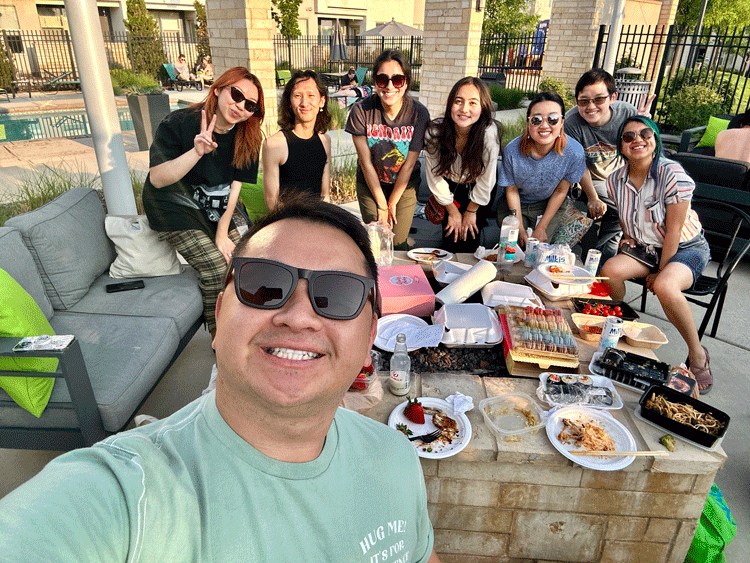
382,80
266,284
553,119
239,98
646,133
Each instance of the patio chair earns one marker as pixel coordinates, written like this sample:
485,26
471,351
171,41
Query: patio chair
4,92
55,82
283,76
360,73
727,230
178,83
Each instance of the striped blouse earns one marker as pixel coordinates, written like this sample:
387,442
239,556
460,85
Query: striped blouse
643,212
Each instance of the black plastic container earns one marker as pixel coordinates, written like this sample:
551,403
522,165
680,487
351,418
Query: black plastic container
683,430
632,370
628,313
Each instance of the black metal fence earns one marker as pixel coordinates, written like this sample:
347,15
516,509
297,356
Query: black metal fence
37,57
515,60
313,52
672,58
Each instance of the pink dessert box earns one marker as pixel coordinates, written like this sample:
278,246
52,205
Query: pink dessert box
405,289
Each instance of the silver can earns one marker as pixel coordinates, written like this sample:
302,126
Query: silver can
529,259
592,261
611,333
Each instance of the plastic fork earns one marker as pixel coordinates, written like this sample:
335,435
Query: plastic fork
427,438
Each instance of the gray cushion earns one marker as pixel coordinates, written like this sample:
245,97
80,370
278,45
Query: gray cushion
67,240
17,261
177,297
123,368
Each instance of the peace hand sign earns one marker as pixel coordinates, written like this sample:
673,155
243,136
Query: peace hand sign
644,108
204,143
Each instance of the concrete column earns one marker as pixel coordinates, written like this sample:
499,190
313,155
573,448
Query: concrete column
452,31
241,34
571,38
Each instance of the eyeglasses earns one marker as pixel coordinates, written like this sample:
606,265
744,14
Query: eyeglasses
599,100
553,119
239,97
646,133
266,284
382,80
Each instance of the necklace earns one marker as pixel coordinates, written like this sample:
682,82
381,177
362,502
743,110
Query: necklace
222,132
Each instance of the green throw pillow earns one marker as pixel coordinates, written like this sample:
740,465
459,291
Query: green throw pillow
715,126
21,316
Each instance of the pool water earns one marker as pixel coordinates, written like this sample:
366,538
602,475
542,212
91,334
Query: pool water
46,125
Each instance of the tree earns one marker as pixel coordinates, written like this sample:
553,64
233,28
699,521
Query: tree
718,13
201,29
284,13
6,70
146,49
507,16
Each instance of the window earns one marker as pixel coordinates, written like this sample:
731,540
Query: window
52,17
8,17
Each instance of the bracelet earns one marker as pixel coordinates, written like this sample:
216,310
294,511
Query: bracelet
470,211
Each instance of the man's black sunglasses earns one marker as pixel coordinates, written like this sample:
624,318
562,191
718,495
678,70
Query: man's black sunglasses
239,97
266,284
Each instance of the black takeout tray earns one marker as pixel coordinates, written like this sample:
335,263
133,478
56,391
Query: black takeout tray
632,370
628,314
685,431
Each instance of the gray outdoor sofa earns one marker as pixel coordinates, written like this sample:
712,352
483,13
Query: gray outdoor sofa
60,255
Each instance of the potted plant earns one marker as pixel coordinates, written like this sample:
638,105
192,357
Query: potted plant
147,101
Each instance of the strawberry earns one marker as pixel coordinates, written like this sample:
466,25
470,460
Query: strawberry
414,411
361,380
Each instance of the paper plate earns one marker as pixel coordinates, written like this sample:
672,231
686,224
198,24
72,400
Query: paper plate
621,436
385,323
425,254
567,271
439,449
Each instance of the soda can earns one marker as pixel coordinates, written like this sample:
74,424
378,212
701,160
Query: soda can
529,259
592,261
611,333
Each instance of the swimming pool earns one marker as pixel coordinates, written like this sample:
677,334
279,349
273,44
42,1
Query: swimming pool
49,124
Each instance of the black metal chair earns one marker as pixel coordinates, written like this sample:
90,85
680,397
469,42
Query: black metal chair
727,230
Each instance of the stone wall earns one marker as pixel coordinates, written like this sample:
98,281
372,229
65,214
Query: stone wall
450,51
241,34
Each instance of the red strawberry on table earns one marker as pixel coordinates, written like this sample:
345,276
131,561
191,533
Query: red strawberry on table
414,411
361,381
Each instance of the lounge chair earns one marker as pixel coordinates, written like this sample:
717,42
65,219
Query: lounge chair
178,83
56,82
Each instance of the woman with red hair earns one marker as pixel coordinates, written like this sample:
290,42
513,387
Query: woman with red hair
199,159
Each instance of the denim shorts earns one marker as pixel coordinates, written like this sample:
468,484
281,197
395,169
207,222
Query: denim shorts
695,254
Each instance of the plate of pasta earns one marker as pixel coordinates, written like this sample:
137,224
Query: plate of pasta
585,429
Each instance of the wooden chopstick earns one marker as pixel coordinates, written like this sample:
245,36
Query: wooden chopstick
558,277
641,453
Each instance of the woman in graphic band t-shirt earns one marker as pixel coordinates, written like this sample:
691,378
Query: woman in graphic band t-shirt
388,133
199,159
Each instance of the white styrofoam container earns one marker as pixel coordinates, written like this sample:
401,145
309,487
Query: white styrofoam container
447,271
505,293
469,324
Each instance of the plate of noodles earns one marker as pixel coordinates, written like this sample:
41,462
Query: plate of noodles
580,428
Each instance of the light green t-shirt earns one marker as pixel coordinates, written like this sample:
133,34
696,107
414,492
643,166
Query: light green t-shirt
188,489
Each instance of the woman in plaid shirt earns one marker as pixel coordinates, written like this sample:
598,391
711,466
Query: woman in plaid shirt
652,195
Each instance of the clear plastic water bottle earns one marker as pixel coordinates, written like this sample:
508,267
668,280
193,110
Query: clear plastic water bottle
400,380
508,240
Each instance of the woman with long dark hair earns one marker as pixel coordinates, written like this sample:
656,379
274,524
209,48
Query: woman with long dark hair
388,133
461,150
652,195
539,167
199,159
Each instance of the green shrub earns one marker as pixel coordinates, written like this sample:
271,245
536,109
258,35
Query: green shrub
6,71
549,84
343,179
704,77
513,130
692,106
338,114
506,98
125,81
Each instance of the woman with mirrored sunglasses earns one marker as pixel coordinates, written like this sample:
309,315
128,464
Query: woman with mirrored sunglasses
199,159
388,133
461,150
538,168
652,195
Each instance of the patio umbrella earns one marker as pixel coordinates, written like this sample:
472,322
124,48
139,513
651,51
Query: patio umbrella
339,51
394,29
